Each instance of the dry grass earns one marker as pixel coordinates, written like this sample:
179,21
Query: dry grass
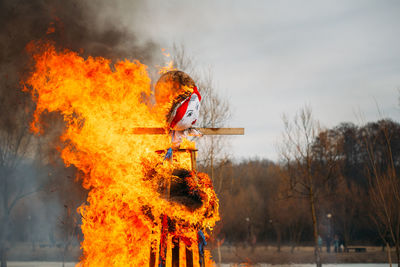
41,252
269,254
236,254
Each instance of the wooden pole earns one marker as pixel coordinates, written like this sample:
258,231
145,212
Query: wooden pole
389,254
193,159
177,255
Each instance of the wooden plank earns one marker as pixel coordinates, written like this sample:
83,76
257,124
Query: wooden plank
168,260
153,255
204,131
193,159
175,254
149,130
182,254
195,254
189,258
221,131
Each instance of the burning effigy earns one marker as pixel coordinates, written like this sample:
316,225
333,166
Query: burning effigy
146,202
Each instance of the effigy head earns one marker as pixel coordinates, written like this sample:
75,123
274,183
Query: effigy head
177,90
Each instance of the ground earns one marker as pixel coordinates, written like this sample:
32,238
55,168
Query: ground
49,256
269,254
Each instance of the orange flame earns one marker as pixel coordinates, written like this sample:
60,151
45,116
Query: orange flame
101,105
169,64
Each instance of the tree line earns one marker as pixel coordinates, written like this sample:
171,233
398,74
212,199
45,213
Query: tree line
341,181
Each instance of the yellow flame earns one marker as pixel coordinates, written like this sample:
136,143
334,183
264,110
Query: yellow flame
101,105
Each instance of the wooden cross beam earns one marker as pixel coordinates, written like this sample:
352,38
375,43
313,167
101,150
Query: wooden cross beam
204,131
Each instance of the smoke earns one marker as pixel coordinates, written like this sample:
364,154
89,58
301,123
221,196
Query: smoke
75,25
82,26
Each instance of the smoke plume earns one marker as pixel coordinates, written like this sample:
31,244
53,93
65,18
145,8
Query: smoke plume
74,25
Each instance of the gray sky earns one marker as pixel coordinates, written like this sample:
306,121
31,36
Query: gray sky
273,57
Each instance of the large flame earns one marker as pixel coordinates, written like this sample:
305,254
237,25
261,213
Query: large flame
101,105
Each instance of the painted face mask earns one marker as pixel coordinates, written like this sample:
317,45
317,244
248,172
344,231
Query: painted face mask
187,112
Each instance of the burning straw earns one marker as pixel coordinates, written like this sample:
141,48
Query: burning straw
101,106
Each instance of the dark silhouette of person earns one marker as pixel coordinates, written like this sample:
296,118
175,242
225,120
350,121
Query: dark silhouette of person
328,243
336,243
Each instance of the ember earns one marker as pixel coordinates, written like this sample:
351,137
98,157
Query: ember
139,204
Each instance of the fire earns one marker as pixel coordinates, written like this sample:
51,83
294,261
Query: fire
169,65
128,180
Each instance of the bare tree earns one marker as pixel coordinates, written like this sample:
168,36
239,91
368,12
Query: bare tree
310,160
16,147
215,111
384,183
69,224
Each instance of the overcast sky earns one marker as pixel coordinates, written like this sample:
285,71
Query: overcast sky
273,57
